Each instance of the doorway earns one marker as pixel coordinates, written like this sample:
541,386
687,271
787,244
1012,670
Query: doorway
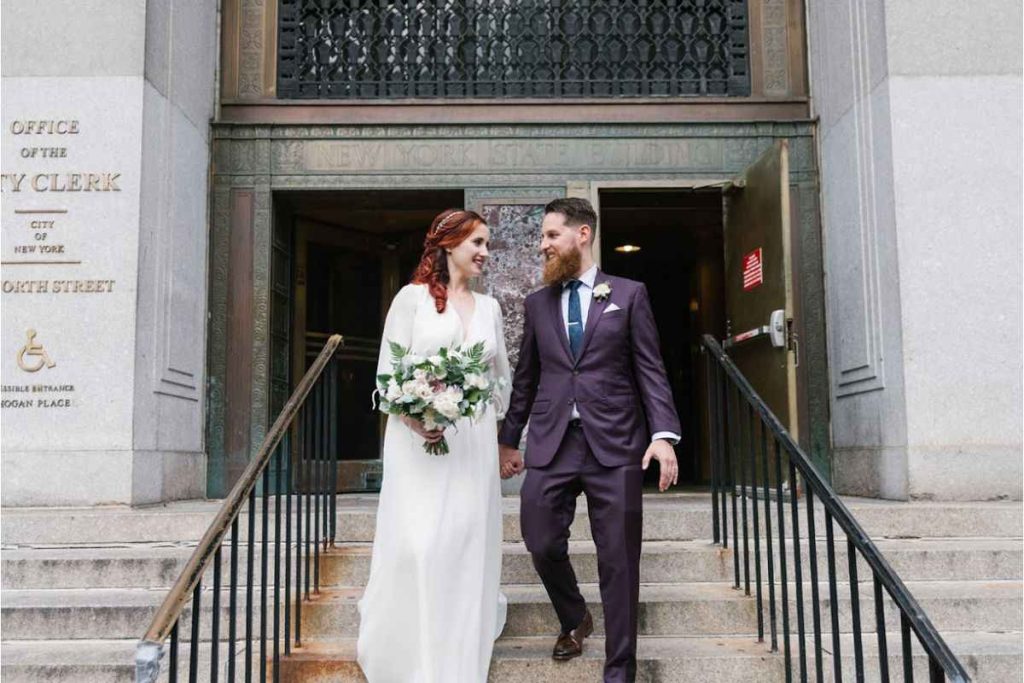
672,241
353,251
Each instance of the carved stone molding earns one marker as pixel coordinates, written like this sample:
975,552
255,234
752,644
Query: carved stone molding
261,315
857,218
249,131
217,337
345,156
775,29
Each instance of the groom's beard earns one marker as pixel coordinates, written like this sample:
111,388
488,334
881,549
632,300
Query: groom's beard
562,267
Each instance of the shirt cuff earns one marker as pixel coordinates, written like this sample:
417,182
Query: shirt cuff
670,436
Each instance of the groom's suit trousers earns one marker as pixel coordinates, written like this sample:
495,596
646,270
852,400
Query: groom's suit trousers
614,502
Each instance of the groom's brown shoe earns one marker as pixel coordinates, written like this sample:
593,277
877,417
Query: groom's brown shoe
570,644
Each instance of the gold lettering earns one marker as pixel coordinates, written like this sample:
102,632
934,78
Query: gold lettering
25,286
63,182
16,403
14,180
83,286
45,127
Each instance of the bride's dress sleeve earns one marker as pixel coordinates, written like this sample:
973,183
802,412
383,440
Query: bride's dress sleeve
502,371
398,326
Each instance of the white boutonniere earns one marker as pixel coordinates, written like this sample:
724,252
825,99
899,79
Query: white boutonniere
602,291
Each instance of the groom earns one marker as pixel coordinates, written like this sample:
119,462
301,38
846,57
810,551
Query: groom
591,382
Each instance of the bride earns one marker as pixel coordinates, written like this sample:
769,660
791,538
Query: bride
432,607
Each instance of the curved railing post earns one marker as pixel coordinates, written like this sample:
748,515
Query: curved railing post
147,661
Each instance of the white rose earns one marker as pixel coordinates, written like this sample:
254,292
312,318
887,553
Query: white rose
477,381
445,404
436,360
394,391
411,360
424,391
409,387
455,393
419,374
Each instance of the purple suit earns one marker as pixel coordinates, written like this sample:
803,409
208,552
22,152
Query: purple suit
619,386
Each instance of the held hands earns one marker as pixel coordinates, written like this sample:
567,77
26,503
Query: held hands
663,452
510,461
432,436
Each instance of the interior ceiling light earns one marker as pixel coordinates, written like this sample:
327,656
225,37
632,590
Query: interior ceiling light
627,248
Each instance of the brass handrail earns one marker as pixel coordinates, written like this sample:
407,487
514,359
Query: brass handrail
179,595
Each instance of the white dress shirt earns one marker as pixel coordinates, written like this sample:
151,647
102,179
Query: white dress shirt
586,292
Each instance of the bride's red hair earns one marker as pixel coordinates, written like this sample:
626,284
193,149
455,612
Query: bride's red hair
449,229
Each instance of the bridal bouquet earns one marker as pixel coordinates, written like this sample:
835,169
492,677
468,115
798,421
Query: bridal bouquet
437,390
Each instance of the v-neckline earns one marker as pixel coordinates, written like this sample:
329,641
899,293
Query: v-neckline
465,327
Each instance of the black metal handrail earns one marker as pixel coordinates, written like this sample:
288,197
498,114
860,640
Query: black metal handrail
736,455
298,454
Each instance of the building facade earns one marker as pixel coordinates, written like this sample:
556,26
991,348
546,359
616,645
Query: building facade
253,175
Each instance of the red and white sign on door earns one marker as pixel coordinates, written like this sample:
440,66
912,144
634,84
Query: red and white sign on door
753,270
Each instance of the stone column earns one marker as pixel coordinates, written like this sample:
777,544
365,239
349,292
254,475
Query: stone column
106,110
920,141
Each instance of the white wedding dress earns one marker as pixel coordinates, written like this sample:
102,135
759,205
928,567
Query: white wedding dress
433,606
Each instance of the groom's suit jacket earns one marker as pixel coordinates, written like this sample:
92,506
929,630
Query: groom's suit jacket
618,382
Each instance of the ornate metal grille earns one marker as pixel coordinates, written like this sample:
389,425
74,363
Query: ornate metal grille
378,49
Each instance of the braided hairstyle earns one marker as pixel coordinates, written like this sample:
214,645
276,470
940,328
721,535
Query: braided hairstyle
449,229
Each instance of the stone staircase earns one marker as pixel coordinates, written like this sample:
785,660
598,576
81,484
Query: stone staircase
80,586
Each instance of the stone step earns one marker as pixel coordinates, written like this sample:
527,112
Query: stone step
89,661
987,656
716,609
178,521
106,613
689,516
131,566
685,561
89,529
666,609
926,559
671,516
661,562
158,565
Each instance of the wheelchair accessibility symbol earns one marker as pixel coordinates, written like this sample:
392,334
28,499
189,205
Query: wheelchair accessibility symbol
34,350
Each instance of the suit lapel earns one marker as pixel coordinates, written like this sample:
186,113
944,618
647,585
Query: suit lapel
555,307
593,317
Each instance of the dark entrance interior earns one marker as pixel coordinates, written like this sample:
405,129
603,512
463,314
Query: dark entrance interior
678,234
340,257
353,251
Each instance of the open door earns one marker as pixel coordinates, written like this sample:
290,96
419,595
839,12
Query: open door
759,283
345,281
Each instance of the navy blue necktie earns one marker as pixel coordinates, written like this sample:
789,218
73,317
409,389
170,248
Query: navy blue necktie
575,318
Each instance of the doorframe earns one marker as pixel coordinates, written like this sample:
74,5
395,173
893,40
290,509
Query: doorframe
591,190
304,232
